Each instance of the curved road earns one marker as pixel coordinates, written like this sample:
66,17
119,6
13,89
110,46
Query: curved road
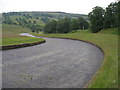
58,63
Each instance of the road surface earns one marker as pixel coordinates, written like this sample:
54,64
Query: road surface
58,63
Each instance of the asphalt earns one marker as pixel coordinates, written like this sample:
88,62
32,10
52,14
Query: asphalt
58,63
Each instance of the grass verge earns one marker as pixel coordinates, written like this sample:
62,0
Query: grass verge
20,40
107,75
11,35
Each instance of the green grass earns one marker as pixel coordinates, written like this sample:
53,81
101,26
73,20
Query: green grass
11,31
10,35
38,21
107,75
20,40
110,31
14,17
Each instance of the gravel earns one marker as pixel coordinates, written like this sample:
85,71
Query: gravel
58,63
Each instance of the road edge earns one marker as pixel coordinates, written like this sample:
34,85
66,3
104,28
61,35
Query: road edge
93,77
8,47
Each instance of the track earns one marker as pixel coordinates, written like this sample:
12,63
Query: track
58,63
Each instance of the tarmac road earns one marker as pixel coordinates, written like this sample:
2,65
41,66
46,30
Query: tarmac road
58,63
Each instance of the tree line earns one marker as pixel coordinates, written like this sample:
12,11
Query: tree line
66,25
104,18
52,25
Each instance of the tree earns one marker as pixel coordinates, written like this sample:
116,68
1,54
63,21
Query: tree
86,25
65,25
118,10
60,26
34,22
79,23
37,17
75,24
82,24
8,20
22,21
96,19
51,27
45,19
111,16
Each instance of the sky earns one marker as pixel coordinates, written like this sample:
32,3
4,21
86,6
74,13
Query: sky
69,6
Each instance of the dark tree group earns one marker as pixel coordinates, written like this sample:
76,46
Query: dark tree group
100,18
111,16
65,25
96,19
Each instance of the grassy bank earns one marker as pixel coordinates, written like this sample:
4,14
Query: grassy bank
20,40
107,75
10,35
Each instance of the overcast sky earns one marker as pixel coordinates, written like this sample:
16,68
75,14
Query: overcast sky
69,6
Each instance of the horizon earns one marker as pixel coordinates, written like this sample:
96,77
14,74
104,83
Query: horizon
46,12
73,6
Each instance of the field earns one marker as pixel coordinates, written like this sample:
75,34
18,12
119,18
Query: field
10,35
107,40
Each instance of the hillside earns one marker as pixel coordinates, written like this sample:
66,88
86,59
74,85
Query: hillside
11,35
109,31
11,31
39,18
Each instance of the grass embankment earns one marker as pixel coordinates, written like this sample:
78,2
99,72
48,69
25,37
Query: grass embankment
110,31
11,35
107,40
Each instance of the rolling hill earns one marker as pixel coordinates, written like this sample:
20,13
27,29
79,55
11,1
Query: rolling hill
38,17
11,35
